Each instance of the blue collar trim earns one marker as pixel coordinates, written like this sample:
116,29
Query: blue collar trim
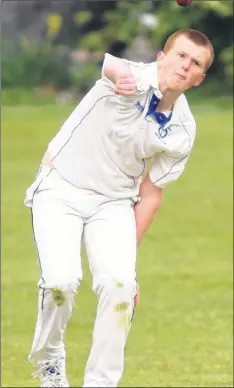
161,118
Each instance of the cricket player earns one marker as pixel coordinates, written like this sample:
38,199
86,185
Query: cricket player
134,122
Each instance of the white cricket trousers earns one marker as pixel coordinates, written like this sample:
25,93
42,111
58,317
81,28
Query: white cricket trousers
63,217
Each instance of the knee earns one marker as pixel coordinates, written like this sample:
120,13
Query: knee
65,279
60,294
117,298
116,289
58,288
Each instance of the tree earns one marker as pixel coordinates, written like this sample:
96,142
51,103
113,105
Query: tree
214,18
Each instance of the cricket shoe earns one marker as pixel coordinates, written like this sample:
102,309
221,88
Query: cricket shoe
52,373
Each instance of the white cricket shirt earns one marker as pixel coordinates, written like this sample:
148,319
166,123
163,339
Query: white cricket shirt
107,141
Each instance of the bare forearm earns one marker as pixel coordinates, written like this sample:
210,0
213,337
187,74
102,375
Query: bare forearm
146,209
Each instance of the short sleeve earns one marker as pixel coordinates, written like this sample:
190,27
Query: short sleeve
168,165
138,71
166,169
108,58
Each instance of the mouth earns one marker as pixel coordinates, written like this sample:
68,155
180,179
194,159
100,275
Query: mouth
180,76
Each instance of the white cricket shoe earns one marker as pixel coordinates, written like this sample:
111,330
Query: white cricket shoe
52,373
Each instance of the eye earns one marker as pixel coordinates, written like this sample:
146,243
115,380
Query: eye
195,62
181,55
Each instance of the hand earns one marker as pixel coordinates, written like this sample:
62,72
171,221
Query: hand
125,85
136,299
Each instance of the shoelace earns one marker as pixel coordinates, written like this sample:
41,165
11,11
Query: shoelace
50,379
42,369
54,379
45,367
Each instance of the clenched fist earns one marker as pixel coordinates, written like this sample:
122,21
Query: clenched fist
125,85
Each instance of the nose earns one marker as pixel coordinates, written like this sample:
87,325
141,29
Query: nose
186,64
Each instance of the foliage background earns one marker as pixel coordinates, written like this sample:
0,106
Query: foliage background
50,37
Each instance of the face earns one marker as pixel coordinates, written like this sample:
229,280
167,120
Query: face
184,65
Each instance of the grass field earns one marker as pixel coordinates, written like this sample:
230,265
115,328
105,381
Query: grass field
182,333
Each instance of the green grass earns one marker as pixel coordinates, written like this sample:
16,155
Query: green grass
182,333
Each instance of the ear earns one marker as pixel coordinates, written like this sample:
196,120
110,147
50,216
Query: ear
160,56
200,80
